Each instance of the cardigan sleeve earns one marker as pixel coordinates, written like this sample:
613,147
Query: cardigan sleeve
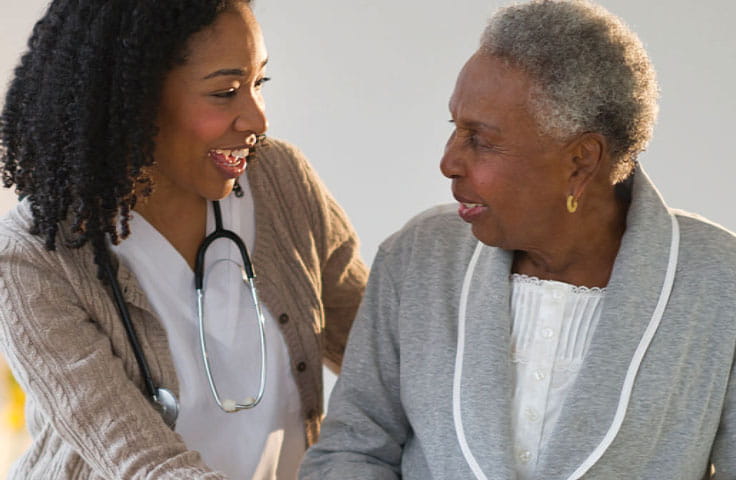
77,384
344,276
365,429
343,272
723,455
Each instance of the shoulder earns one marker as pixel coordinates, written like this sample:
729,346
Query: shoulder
15,231
705,233
705,245
20,249
434,239
437,224
276,155
282,170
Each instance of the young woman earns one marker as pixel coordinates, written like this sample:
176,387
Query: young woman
127,130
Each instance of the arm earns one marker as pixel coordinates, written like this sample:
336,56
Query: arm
723,455
344,276
365,429
66,365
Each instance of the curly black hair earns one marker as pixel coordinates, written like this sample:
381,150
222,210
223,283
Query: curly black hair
78,124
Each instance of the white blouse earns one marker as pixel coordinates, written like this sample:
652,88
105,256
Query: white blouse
267,442
552,324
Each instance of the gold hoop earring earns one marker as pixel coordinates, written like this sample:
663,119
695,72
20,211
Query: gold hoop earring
572,204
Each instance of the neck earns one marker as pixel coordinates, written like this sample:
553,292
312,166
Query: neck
584,249
182,222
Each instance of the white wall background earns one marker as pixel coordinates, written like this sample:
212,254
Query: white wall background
362,87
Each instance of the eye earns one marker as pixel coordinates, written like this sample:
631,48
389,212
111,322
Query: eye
230,92
261,81
476,142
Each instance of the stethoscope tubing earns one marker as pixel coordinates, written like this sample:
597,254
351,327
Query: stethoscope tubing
130,331
166,401
163,398
249,278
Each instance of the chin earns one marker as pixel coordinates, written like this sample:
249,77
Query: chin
221,192
487,236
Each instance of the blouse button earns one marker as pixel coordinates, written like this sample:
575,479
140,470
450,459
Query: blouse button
548,333
301,366
524,456
283,318
532,414
540,375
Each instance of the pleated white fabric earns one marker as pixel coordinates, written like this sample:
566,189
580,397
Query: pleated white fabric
552,325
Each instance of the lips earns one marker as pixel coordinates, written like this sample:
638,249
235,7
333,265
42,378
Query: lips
469,210
230,162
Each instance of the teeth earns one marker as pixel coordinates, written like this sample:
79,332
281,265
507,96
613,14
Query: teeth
471,205
233,156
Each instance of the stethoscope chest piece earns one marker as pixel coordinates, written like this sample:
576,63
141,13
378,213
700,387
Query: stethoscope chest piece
168,406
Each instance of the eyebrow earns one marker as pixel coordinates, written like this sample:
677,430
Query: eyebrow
476,125
473,124
229,72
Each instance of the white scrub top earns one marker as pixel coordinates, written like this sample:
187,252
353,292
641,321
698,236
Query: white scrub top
268,441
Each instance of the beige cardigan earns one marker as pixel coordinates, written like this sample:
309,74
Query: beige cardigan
87,409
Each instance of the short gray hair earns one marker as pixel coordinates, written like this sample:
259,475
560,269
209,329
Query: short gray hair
589,72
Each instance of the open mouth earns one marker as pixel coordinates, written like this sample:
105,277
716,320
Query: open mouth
468,211
471,205
230,162
230,157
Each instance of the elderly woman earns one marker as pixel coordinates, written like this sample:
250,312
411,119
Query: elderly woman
577,326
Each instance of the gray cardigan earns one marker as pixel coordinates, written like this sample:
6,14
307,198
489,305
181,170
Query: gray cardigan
391,415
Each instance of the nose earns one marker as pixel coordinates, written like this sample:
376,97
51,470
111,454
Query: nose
451,164
251,117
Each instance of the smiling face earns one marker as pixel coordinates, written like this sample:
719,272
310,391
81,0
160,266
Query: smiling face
512,182
211,110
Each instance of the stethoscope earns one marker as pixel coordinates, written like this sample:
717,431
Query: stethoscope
163,398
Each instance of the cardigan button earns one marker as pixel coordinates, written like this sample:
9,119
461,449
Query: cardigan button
311,414
301,366
283,318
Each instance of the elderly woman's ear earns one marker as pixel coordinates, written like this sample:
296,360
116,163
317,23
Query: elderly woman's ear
588,161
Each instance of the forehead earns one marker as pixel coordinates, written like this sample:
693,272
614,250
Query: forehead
489,89
234,39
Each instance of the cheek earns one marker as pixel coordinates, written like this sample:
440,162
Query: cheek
497,186
207,125
189,133
260,101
